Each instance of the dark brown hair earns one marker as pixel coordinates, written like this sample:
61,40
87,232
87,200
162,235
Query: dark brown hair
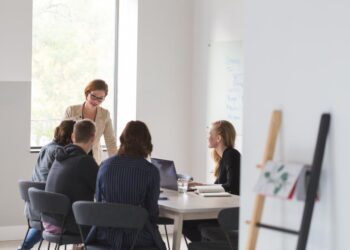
96,84
84,130
63,132
135,140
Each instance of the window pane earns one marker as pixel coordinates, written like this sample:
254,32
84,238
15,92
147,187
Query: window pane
73,43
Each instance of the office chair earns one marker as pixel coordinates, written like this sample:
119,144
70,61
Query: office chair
53,205
110,215
33,217
224,237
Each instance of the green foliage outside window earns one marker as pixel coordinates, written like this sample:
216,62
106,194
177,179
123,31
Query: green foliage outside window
73,43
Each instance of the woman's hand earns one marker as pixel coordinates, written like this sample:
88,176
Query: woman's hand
193,184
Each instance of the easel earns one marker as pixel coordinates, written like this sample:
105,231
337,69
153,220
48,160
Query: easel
311,193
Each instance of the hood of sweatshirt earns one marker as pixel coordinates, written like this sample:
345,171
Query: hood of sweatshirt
69,151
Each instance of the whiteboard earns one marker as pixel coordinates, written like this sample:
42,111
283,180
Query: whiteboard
225,85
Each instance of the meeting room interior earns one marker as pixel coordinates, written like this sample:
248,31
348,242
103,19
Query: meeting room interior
182,69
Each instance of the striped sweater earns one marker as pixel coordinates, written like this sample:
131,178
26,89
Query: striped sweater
133,181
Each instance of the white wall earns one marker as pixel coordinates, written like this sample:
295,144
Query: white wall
214,21
164,76
297,58
15,76
16,40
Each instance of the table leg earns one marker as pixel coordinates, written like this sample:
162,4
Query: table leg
178,221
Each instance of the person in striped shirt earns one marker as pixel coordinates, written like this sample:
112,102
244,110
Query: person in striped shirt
129,178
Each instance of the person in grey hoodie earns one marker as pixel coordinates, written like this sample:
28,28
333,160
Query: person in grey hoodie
73,173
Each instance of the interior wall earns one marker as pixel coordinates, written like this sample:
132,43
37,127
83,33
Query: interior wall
214,21
296,59
16,40
15,77
164,77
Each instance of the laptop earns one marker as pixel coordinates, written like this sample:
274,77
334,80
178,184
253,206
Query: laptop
167,171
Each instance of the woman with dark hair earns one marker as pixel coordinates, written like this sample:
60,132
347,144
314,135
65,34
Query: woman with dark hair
130,179
95,93
47,156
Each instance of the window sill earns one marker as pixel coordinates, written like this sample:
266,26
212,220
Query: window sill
36,149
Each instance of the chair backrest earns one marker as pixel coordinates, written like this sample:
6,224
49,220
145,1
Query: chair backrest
229,219
25,185
113,215
48,202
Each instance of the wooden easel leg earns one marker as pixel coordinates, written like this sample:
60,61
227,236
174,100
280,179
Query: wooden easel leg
275,125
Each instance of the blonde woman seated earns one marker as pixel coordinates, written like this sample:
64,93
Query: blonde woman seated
227,160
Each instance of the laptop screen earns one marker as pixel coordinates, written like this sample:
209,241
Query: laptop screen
167,171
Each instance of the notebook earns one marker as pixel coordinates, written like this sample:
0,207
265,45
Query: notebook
167,171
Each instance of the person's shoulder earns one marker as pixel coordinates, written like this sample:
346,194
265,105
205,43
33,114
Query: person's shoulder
232,152
49,148
109,161
103,111
88,160
152,168
74,109
53,146
76,106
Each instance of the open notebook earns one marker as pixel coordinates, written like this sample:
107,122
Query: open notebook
211,191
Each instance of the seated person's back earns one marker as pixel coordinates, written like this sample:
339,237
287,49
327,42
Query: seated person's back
46,157
128,178
74,172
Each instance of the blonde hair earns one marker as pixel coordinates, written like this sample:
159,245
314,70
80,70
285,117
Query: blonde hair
228,133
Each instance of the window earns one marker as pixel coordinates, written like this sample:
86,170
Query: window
73,43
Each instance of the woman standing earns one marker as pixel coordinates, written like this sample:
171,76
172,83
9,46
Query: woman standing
95,93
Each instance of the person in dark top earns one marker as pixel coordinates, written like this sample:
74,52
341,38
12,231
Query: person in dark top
227,160
73,173
47,155
128,178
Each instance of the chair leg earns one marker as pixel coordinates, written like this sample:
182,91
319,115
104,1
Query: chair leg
186,241
25,237
48,246
65,247
41,242
167,237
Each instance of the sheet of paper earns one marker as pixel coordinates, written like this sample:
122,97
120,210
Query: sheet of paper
277,179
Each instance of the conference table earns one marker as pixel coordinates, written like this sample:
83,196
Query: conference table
191,206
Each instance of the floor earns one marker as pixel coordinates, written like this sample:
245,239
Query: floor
12,245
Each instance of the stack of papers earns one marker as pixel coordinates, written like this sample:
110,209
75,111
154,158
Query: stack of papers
211,191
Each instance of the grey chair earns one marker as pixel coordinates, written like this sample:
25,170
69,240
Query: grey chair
224,237
33,217
110,215
53,205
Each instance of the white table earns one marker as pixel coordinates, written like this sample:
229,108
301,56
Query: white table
190,206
